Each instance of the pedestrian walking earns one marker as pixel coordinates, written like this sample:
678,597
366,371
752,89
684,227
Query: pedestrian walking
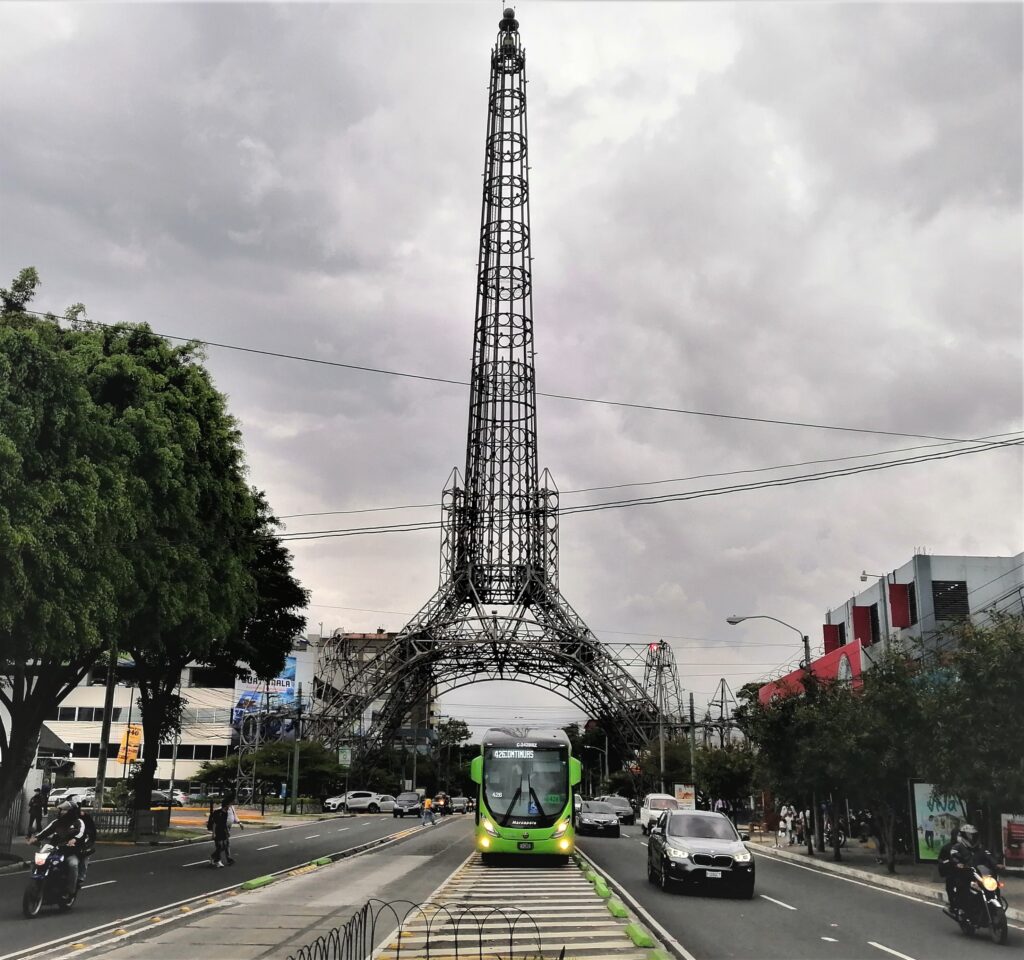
428,811
220,823
45,791
35,812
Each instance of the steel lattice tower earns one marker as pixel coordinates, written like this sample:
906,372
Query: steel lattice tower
498,612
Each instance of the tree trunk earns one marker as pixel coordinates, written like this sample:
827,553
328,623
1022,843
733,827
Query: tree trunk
154,704
888,819
836,855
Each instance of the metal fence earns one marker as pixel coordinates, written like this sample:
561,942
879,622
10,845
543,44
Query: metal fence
10,824
422,930
134,823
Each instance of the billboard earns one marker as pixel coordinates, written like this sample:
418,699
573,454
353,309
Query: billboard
128,752
935,815
277,698
686,795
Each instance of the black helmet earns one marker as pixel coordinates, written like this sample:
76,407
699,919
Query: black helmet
67,808
969,834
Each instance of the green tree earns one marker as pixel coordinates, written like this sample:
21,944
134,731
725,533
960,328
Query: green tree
971,695
63,510
725,773
319,771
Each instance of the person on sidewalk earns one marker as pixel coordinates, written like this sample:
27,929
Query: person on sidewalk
428,811
787,814
220,823
35,812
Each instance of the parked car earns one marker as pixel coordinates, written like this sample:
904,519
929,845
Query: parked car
697,846
407,804
460,804
598,817
654,805
334,804
623,808
160,798
83,796
386,803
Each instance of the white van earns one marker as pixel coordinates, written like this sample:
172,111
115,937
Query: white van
655,804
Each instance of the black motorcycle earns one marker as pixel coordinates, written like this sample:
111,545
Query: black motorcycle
985,906
48,884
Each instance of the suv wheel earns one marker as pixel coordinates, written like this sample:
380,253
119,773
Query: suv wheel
664,880
373,808
652,876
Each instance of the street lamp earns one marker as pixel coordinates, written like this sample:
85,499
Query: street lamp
734,619
587,746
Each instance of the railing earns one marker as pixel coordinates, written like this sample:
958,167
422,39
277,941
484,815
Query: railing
423,929
134,823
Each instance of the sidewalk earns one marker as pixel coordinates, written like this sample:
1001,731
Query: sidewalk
860,861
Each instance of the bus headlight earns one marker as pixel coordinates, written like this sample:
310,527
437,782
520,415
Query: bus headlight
489,827
561,828
485,841
564,844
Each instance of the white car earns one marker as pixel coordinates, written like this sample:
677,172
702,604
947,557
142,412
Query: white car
361,801
655,804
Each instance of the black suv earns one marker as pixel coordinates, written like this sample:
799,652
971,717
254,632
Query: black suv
695,846
407,803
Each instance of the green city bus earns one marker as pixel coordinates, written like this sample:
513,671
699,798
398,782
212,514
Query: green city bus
526,780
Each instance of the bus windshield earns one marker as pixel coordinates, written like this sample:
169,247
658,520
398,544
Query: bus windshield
526,783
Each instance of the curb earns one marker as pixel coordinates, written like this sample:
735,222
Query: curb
873,879
258,882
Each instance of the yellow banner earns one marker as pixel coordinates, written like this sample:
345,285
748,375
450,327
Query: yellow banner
130,740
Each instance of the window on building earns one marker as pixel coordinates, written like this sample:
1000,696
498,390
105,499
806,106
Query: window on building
876,630
166,751
79,749
842,634
950,599
203,751
186,751
217,751
212,677
66,713
912,597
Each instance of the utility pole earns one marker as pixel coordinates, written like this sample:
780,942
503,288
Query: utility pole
693,748
661,714
295,761
108,709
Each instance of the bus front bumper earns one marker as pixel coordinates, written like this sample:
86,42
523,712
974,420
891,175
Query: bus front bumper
562,846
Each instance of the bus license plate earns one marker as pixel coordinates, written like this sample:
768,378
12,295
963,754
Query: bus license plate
715,873
525,845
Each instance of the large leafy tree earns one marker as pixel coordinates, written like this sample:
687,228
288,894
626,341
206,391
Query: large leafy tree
63,515
971,695
210,582
726,772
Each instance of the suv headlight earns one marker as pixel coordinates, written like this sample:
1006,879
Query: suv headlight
489,827
742,857
677,854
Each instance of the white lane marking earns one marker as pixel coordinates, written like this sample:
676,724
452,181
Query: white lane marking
662,933
103,883
312,836
195,863
268,847
765,896
643,843
341,829
830,939
895,953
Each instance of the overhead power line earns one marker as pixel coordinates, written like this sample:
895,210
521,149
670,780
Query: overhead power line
631,405
677,497
651,483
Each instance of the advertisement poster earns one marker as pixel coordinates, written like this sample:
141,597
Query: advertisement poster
1011,830
275,698
128,752
686,795
935,817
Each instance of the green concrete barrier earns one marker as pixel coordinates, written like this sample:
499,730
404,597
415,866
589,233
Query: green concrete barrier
323,861
601,889
258,882
638,935
618,909
660,955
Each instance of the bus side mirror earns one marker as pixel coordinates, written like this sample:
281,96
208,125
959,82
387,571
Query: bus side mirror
476,770
575,772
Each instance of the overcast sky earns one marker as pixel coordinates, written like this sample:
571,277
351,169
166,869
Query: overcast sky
797,211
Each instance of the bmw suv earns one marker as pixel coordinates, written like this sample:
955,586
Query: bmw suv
699,847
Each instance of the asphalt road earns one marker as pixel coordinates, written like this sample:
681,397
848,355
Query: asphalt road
124,881
797,914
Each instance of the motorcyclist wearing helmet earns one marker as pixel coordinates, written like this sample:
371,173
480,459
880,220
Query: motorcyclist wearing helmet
68,832
966,854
